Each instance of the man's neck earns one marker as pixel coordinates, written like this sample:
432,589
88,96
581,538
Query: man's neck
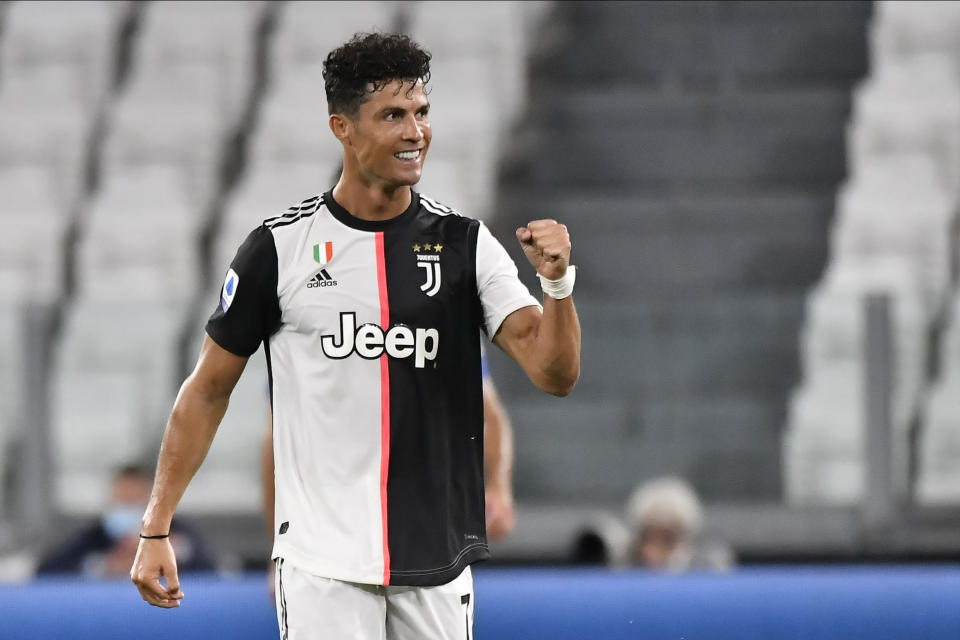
371,202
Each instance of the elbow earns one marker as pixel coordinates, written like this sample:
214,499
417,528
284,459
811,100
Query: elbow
560,385
564,390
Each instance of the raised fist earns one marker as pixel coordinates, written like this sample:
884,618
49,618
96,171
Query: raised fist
547,246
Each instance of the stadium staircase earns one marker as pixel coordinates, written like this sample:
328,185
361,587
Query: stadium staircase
694,149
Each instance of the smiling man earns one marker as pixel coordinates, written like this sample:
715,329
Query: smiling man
369,300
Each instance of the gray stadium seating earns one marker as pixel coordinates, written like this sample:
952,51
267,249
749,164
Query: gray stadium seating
693,150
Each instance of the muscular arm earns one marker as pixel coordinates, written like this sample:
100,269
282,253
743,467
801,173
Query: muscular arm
196,414
547,344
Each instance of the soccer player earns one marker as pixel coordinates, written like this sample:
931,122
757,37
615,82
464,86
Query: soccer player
369,299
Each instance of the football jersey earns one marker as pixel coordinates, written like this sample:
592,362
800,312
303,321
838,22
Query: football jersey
372,339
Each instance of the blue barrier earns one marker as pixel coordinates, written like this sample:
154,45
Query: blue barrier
821,603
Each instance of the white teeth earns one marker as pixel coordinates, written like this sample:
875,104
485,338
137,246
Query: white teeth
407,155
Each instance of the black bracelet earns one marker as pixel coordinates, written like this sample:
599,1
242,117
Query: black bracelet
166,535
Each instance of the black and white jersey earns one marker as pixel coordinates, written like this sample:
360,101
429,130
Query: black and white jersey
372,343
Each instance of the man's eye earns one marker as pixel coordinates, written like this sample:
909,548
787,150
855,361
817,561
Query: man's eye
391,116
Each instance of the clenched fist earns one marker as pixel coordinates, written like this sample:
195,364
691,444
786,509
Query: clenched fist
547,246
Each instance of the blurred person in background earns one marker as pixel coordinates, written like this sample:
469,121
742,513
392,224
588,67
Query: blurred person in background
601,541
666,522
106,547
369,299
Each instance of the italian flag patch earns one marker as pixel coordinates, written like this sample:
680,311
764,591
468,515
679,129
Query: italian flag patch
323,252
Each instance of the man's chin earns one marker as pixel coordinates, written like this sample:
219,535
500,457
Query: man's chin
408,180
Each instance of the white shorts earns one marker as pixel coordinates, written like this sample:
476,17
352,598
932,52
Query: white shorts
311,607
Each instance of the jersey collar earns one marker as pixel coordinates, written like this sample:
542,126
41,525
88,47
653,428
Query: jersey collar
350,220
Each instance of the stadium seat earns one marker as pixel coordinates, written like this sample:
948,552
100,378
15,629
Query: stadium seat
98,425
581,454
114,380
153,122
494,32
79,35
824,450
823,445
32,249
48,135
45,118
4,454
293,124
904,29
896,206
12,361
308,31
53,84
910,105
140,238
835,331
219,36
938,478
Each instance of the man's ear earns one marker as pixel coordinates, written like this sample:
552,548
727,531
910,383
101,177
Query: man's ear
341,127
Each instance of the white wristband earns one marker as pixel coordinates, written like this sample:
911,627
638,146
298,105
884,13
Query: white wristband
561,287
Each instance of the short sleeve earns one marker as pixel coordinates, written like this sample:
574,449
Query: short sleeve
248,311
500,288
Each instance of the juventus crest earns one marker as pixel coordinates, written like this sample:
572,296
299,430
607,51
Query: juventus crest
428,259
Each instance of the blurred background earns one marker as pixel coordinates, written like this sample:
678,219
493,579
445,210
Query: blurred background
762,199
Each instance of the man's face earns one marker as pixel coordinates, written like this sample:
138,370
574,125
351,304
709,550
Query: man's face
129,490
390,134
657,544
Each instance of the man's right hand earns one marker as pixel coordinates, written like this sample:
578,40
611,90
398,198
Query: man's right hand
156,559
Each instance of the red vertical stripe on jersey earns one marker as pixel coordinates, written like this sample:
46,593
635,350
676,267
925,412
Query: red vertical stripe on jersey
328,247
384,404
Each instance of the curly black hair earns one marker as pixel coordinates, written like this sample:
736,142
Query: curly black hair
366,64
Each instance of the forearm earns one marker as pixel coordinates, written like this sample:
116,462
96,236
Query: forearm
555,351
193,423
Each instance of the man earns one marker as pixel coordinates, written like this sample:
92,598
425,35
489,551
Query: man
369,300
665,518
107,545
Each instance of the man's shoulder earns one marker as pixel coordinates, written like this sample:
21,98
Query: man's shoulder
436,212
295,213
433,206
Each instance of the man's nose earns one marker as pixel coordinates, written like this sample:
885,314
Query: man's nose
412,130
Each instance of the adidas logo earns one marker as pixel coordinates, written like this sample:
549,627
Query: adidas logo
321,279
